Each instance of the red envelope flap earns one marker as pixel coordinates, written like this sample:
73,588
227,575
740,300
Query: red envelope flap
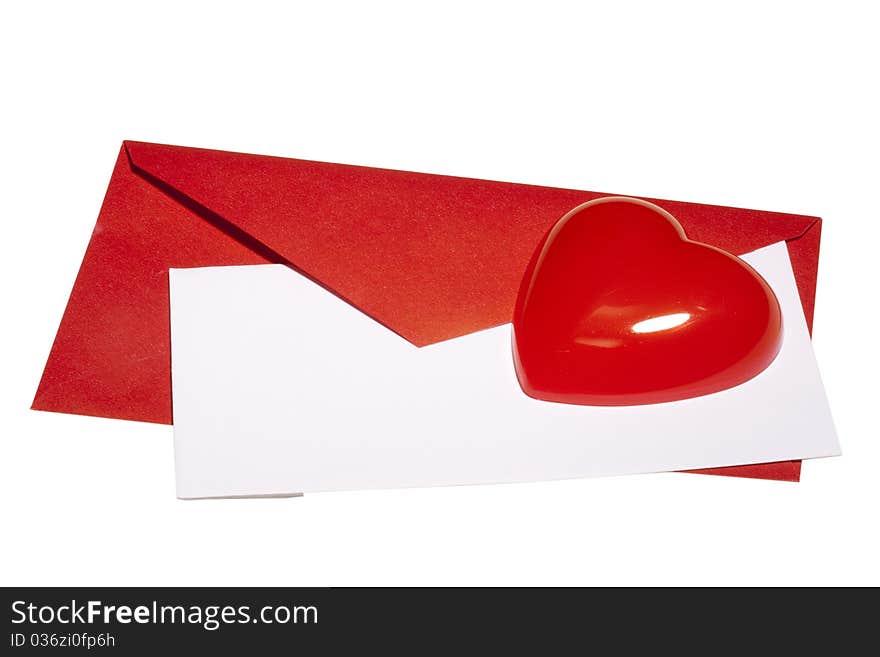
431,257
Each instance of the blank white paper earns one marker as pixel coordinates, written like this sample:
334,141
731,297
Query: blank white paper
279,387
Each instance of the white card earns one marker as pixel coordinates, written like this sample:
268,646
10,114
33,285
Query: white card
279,387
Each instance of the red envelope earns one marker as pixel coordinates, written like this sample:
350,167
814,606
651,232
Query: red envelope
430,257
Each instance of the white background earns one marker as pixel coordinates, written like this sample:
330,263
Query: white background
765,105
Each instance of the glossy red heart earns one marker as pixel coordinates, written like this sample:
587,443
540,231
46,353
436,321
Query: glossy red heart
618,307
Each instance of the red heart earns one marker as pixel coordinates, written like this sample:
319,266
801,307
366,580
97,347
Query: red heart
618,307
